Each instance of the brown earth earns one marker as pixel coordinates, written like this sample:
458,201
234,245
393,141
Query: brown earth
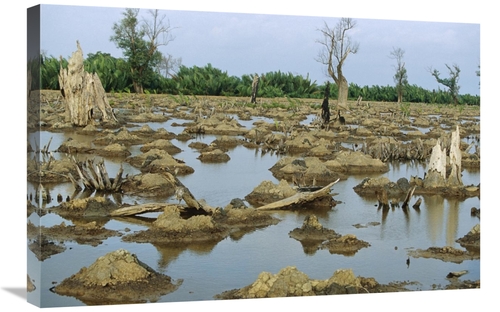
118,277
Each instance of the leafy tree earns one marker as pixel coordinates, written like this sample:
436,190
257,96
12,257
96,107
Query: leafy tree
114,73
451,83
337,46
140,43
49,71
401,76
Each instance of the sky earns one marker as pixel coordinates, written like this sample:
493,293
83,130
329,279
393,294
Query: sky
248,43
483,12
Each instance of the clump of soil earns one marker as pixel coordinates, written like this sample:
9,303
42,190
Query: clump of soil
243,218
304,171
170,227
446,254
117,278
161,144
290,282
97,206
215,156
267,192
157,160
312,230
113,150
472,240
53,171
122,136
347,245
314,236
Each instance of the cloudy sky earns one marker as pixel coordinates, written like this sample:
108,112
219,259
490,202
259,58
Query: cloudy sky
247,43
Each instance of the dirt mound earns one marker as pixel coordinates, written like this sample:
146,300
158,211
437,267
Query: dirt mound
117,278
170,227
156,160
215,156
314,236
161,144
267,192
97,206
290,282
472,240
446,254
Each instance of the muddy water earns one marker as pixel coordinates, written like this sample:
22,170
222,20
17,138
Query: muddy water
209,269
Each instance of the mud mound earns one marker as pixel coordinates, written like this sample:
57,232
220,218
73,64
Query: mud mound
161,144
471,240
117,278
312,230
215,156
156,160
290,282
54,172
347,245
446,254
97,206
170,227
267,192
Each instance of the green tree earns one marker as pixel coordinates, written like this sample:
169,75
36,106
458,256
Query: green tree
113,72
451,83
337,46
401,76
140,42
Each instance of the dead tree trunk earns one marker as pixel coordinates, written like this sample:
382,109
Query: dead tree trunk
94,176
325,108
436,175
82,92
455,177
255,88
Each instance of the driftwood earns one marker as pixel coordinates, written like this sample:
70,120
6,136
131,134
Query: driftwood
139,209
408,197
417,204
298,199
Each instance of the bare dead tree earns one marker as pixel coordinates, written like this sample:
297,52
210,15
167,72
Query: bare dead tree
336,46
255,88
401,76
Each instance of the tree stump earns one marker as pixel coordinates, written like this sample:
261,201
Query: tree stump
325,108
255,88
436,175
455,177
82,92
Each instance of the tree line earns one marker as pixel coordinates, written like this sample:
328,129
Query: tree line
115,76
145,69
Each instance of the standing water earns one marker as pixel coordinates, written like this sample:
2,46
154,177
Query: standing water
209,269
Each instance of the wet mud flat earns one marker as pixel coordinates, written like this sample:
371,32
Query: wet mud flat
310,158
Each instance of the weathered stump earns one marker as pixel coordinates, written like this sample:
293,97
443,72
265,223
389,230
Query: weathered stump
436,175
255,88
325,109
82,92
